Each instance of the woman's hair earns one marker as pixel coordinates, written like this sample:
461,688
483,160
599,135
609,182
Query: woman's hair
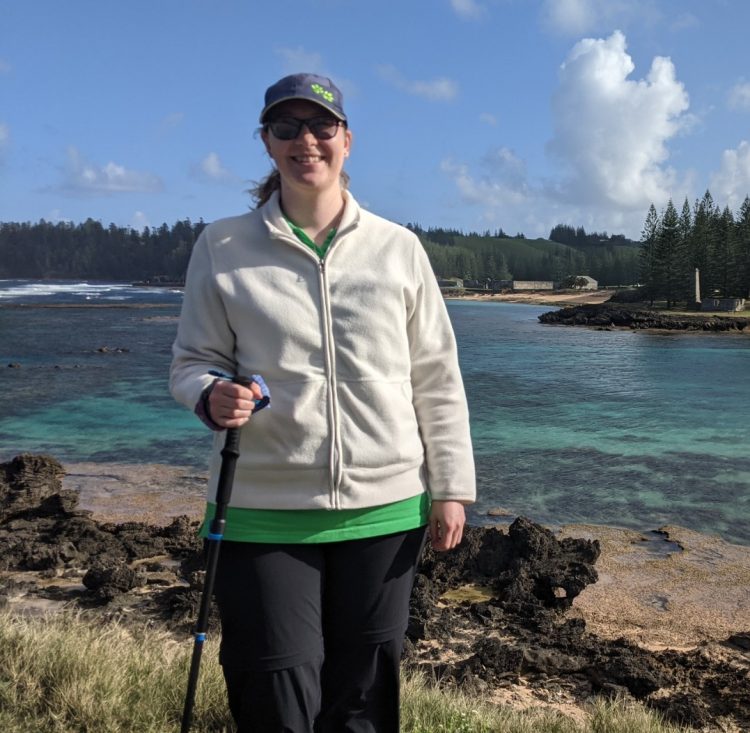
261,190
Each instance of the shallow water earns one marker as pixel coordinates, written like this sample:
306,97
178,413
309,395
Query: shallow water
569,424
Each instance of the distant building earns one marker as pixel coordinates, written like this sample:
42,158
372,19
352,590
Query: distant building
723,304
579,282
533,285
590,283
452,283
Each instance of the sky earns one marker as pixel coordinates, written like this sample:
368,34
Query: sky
466,114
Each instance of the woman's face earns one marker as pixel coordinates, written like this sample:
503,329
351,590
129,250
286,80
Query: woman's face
307,165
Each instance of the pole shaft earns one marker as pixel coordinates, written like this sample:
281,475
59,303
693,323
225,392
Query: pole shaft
229,455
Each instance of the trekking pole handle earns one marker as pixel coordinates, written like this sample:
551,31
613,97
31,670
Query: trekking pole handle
265,399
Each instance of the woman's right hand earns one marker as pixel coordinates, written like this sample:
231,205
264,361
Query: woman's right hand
230,404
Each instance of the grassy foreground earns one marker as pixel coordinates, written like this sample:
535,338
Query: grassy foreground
64,674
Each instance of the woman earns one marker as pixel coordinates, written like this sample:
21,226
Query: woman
366,442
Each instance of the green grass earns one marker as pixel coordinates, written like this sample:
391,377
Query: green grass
66,674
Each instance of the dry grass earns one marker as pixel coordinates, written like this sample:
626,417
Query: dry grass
67,674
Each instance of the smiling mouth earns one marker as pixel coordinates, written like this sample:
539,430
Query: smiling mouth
307,158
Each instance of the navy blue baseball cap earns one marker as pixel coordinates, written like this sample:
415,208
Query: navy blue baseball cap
311,87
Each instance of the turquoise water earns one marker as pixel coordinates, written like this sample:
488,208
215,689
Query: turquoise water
569,425
623,428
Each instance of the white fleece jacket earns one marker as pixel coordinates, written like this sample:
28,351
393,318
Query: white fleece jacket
367,402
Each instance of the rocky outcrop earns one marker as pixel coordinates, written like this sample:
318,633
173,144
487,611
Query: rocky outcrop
495,613
508,624
607,315
43,532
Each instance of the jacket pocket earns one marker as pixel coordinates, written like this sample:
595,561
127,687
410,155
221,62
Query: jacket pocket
378,424
293,433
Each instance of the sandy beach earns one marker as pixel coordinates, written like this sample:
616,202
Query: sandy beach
553,298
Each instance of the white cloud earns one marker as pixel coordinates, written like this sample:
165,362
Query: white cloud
503,164
488,119
739,96
83,178
497,197
139,221
441,89
569,16
576,17
469,9
611,131
610,139
211,168
56,216
732,182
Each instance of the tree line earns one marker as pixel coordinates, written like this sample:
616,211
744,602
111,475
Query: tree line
91,250
610,260
705,237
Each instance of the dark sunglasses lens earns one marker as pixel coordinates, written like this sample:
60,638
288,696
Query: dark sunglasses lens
285,129
323,128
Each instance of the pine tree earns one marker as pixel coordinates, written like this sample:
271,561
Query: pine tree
647,273
721,255
701,240
667,256
686,268
742,249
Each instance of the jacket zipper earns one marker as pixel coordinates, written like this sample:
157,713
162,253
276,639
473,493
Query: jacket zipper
335,449
334,456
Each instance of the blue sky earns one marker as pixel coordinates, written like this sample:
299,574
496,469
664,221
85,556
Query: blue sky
469,114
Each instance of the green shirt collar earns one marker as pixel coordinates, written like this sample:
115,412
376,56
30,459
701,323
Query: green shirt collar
300,233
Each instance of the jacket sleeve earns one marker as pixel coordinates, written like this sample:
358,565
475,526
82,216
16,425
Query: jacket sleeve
437,387
204,340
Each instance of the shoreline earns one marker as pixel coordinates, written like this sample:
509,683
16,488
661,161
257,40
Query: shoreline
661,587
566,299
590,297
521,615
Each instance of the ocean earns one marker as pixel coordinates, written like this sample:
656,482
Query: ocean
570,425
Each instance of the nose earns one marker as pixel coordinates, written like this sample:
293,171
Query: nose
305,132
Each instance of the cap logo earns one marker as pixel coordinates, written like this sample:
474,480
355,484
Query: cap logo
321,92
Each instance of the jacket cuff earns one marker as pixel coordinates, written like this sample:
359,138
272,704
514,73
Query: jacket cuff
202,409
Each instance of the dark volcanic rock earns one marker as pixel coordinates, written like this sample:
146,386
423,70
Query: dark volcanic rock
609,315
526,567
33,484
107,581
42,530
516,629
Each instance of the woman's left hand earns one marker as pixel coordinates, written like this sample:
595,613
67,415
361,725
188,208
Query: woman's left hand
447,519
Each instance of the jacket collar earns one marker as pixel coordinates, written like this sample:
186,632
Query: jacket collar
276,222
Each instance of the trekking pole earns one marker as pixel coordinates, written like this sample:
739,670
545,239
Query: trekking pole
229,455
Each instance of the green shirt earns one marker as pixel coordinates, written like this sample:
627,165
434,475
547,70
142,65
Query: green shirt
319,525
302,526
301,234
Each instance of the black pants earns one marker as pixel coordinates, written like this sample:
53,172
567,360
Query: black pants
312,634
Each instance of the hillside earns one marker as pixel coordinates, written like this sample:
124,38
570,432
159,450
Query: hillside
483,257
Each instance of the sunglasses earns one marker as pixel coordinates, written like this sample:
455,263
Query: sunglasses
288,128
